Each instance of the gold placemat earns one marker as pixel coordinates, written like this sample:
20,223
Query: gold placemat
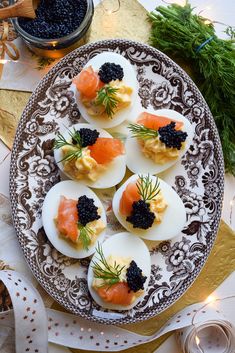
131,22
12,104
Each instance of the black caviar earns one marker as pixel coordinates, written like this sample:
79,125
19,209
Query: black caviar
87,211
88,137
110,71
55,18
141,216
135,278
172,137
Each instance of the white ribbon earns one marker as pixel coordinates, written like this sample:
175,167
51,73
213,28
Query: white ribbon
199,328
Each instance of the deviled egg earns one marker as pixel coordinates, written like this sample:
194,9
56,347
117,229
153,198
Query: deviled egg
106,90
74,219
157,141
119,272
90,155
148,207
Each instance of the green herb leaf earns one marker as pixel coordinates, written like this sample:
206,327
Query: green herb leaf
147,189
178,32
142,132
107,97
109,274
85,235
60,142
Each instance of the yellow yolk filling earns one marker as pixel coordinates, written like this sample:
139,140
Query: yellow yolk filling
84,167
122,261
157,151
123,95
158,206
96,227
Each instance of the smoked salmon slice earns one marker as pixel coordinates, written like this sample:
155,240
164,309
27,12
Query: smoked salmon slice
119,293
154,122
105,149
67,218
88,83
129,195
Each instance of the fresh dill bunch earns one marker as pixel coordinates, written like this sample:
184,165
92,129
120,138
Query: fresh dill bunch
76,144
85,234
107,97
109,274
142,132
179,33
147,189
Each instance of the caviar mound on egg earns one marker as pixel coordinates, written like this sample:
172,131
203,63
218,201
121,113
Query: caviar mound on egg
159,138
119,272
149,208
106,90
81,154
74,219
55,19
110,72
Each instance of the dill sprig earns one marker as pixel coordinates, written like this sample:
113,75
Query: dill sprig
60,142
147,189
109,274
142,132
85,234
178,32
107,97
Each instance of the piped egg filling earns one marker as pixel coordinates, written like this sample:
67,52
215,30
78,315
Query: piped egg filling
123,290
143,203
83,167
118,93
103,93
79,221
84,154
160,143
157,151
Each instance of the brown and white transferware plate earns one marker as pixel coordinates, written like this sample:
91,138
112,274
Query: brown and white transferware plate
198,179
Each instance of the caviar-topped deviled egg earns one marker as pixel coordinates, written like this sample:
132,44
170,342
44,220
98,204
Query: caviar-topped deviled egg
148,207
74,219
119,272
90,155
106,90
157,141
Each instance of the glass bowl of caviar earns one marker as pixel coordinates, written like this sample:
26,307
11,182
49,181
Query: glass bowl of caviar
60,26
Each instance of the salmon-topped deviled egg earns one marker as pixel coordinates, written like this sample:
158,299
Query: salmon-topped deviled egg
74,219
106,90
90,155
157,141
119,272
148,207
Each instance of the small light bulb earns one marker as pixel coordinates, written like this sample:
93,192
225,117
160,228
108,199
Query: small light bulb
231,203
197,340
207,22
210,299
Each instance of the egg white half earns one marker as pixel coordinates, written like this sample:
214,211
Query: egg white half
71,190
137,162
128,246
129,79
174,217
111,176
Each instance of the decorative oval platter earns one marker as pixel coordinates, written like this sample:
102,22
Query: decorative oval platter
198,178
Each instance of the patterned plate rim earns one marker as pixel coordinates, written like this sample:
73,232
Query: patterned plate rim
12,185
